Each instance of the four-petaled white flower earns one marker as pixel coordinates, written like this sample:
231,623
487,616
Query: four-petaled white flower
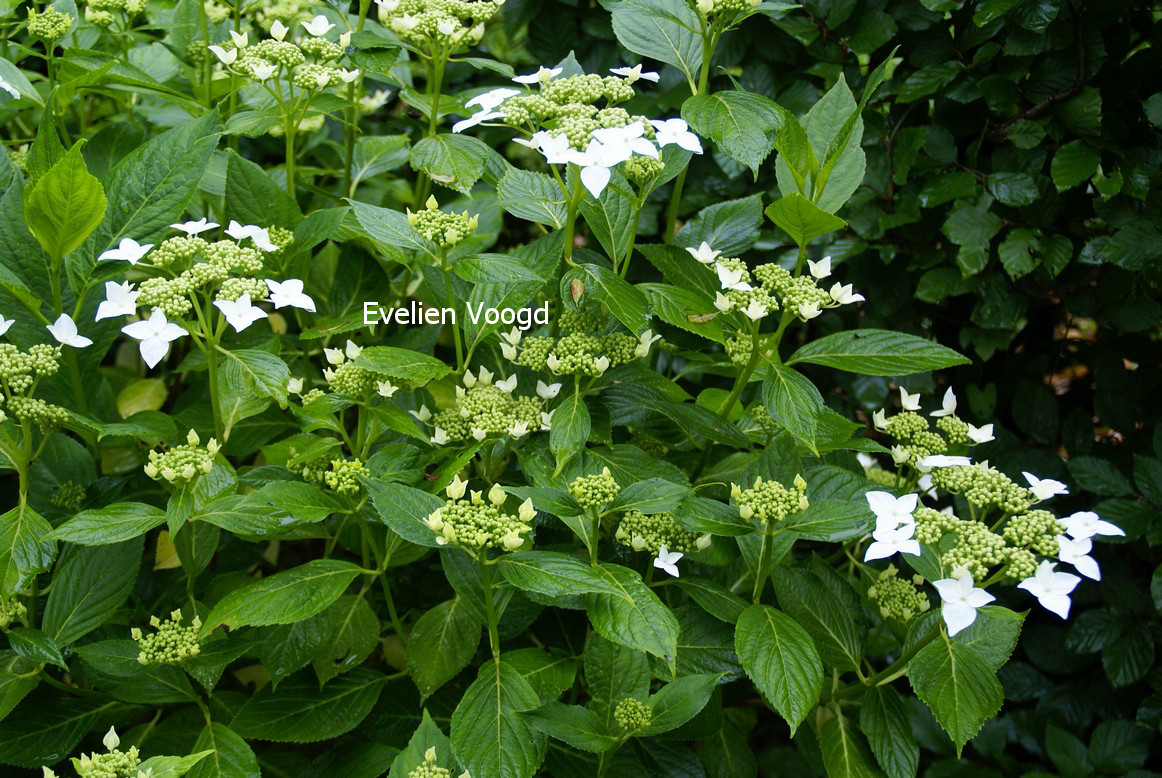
842,294
755,310
5,324
155,334
457,488
722,302
439,436
1076,552
731,279
240,313
809,310
120,300
900,455
446,26
546,421
542,76
64,329
352,350
601,364
704,253
553,363
195,227
634,73
892,511
948,405
262,70
608,148
909,402
294,386
240,39
1051,588
488,102
348,76
334,356
518,429
1086,524
887,541
278,30
880,419
423,414
318,27
259,235
386,388
982,434
677,132
668,560
645,340
128,250
1044,488
547,391
961,600
226,56
942,460
821,269
507,385
479,433
289,293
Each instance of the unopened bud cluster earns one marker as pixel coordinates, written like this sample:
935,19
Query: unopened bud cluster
20,372
69,496
103,13
343,477
112,764
475,523
11,610
429,768
594,491
182,464
1019,547
49,25
914,437
170,644
984,486
583,350
632,715
576,107
433,25
440,227
769,502
643,532
898,598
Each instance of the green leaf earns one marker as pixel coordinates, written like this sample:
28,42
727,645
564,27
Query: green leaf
1013,189
612,673
35,646
778,655
43,728
625,301
570,427
64,206
89,584
493,268
111,524
172,766
377,154
653,495
741,124
442,644
679,701
301,501
267,373
549,675
354,635
283,598
730,226
253,197
18,677
715,599
958,685
454,161
683,309
825,616
611,218
402,363
877,352
299,711
845,754
634,617
793,402
554,574
804,221
16,78
25,548
884,720
404,509
489,736
112,667
532,196
1099,476
580,727
699,514
665,31
427,735
388,229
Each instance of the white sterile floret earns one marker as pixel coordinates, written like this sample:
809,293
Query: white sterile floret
456,489
259,235
128,250
507,385
676,132
1076,552
155,334
289,293
542,76
278,30
961,600
195,227
262,70
479,433
900,455
634,73
982,434
386,388
518,429
226,56
1044,488
809,310
546,421
645,340
891,511
1051,588
334,356
601,364
352,350
423,414
240,313
547,391
120,300
948,405
6,324
294,386
942,460
909,402
704,253
439,436
668,560
318,27
842,294
111,741
821,269
731,279
880,419
1086,524
240,39
755,310
64,330
722,302
888,541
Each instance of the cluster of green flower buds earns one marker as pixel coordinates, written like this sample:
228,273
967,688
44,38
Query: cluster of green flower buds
286,12
69,496
103,13
726,11
632,714
429,769
11,609
983,486
112,764
898,598
343,477
769,501
49,25
438,25
643,532
574,107
978,549
474,524
1036,530
585,349
484,408
49,418
440,227
19,370
171,644
914,437
183,463
594,492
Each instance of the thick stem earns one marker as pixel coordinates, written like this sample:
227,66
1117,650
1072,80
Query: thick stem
890,672
595,532
451,298
760,578
290,156
572,206
489,608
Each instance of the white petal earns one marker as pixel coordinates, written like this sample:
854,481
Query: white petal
153,350
595,179
957,615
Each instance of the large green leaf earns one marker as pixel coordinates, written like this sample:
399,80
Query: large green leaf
283,598
64,206
25,548
665,30
958,685
454,161
877,352
488,734
554,574
634,617
780,658
89,585
442,644
111,524
884,719
299,711
793,401
741,124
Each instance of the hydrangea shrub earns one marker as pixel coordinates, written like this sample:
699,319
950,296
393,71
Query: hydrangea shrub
298,479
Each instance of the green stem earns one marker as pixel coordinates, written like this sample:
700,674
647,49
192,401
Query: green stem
489,609
573,205
889,673
637,215
352,127
596,533
290,155
760,578
451,298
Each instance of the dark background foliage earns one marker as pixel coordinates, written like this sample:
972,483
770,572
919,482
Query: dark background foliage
1012,206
